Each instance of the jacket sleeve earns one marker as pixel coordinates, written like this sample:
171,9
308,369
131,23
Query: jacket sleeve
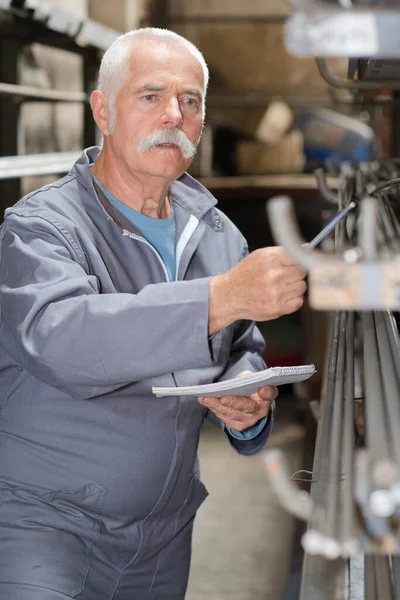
56,324
247,346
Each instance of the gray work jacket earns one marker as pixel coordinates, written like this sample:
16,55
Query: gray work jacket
89,323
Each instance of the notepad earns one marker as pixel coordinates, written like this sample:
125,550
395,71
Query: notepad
241,386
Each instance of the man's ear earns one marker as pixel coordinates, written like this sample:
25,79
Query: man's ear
99,104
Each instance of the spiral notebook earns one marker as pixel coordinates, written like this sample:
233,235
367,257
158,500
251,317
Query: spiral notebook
241,386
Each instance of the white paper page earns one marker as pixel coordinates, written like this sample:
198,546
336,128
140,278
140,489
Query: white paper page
241,386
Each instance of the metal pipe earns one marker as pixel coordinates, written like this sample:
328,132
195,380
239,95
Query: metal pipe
370,591
396,576
352,84
375,419
338,218
347,516
330,390
323,188
296,501
313,541
394,339
367,228
286,232
25,91
390,228
36,164
386,184
332,545
390,387
383,580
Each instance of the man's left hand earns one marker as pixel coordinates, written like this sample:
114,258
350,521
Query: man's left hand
241,412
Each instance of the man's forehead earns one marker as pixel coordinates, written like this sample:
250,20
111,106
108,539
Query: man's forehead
150,58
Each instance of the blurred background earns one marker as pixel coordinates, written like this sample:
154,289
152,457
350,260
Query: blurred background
274,115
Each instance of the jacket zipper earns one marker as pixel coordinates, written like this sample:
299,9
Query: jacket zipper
144,241
183,241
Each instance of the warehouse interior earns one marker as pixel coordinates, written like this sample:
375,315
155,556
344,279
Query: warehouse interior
302,126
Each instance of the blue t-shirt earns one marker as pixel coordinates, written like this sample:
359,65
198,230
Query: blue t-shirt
160,233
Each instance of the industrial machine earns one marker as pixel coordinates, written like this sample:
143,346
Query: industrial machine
352,539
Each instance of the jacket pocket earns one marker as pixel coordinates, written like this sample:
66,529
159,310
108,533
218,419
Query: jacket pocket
46,539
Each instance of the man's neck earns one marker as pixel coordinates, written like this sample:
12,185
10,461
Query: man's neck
148,196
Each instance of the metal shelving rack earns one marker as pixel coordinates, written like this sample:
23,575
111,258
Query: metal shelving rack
23,22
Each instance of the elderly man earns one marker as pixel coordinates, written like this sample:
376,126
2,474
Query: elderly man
122,276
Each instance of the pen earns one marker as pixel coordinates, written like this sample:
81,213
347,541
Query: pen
331,225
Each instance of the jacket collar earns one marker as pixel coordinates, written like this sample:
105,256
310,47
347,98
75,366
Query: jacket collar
185,191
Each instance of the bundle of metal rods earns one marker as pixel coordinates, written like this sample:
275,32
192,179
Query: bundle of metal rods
354,505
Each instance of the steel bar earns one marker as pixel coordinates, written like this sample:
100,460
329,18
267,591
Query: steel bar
367,228
36,164
394,339
347,517
370,591
312,540
332,545
396,576
390,387
25,91
386,184
296,501
286,232
390,229
352,84
375,419
383,579
329,394
394,221
356,576
338,218
323,188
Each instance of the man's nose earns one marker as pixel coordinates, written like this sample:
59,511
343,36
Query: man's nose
172,114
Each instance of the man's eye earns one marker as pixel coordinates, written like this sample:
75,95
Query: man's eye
149,97
189,101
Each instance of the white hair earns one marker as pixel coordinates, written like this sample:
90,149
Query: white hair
114,67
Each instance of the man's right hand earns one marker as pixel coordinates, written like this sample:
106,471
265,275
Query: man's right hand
263,286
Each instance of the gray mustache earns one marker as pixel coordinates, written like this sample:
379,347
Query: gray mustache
168,136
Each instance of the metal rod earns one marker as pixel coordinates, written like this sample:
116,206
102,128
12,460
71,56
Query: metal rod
312,540
394,339
352,84
332,546
323,188
36,164
383,581
390,387
367,228
330,390
347,519
386,184
390,228
286,232
396,576
25,91
370,591
296,501
331,225
375,419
